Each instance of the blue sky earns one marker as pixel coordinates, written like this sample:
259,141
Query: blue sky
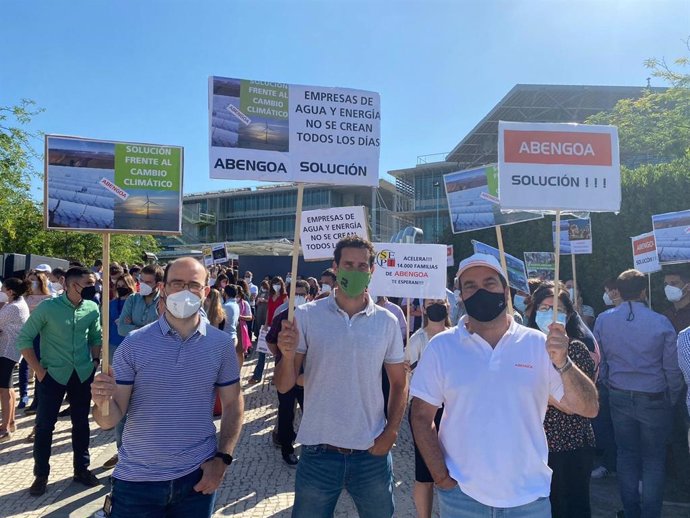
137,70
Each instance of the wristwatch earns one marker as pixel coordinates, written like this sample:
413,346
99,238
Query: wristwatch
568,364
226,457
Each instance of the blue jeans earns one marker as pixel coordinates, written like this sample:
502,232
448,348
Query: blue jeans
642,424
259,369
603,430
166,499
322,475
453,503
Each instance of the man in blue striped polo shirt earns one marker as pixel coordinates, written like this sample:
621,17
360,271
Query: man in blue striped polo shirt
170,463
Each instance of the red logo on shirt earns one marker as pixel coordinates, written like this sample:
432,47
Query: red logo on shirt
524,365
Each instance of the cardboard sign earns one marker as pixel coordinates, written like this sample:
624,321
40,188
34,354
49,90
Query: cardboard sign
575,234
208,256
517,276
277,132
549,166
409,270
322,229
473,203
672,234
115,187
540,265
645,257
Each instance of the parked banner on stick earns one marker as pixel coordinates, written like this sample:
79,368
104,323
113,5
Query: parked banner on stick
409,270
540,265
115,187
575,234
472,197
645,257
672,234
277,132
322,229
517,276
548,166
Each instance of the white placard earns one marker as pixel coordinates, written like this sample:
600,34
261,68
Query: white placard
409,270
278,132
220,254
645,256
322,229
672,235
549,167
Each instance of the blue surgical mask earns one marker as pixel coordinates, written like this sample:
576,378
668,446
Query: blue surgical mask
545,318
519,303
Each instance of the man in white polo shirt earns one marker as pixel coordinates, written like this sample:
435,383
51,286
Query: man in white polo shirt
494,378
344,342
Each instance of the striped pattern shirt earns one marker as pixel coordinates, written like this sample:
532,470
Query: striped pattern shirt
170,431
684,358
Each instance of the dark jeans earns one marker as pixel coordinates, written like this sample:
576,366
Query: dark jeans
678,457
642,424
166,499
570,483
51,394
603,430
259,369
286,417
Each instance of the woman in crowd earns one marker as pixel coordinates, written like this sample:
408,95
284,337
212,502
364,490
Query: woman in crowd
276,298
245,317
261,306
213,306
13,314
570,436
232,318
124,287
435,319
313,288
221,282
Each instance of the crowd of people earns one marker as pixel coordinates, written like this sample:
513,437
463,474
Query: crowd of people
510,412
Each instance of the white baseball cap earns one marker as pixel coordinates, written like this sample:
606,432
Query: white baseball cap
43,268
489,261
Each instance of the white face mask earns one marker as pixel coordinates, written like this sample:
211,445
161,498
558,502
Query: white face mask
607,299
276,288
300,299
34,285
288,279
326,288
145,290
183,304
3,297
456,293
57,287
571,293
673,294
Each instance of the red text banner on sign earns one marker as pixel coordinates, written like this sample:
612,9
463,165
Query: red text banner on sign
557,147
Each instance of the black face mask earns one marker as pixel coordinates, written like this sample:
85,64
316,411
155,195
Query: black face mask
123,291
437,312
88,292
485,306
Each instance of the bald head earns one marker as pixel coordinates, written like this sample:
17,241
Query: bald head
186,267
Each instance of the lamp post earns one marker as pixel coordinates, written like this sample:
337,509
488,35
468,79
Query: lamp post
437,186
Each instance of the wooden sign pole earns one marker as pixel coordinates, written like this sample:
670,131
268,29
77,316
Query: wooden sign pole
295,252
502,255
408,321
557,266
105,314
575,301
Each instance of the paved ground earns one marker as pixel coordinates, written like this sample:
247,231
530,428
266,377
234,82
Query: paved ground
258,485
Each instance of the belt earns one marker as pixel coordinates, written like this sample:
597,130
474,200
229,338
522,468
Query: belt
342,451
653,396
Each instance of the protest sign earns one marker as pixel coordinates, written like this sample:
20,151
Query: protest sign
207,255
556,167
672,234
322,229
115,187
450,261
472,197
220,253
279,132
540,265
645,257
409,270
517,276
575,235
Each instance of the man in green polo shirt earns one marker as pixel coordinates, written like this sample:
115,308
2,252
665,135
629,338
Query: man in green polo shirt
70,330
